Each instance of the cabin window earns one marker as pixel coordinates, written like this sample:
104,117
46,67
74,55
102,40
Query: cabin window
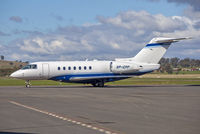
64,68
34,66
90,67
69,68
74,68
58,68
79,67
85,67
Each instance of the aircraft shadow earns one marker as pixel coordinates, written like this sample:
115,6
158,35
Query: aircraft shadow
113,86
15,133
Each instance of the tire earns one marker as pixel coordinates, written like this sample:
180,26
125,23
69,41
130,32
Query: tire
98,84
28,86
94,84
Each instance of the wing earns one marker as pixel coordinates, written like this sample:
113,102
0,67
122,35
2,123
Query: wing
89,78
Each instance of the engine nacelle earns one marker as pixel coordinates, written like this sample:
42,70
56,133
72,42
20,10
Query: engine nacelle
124,67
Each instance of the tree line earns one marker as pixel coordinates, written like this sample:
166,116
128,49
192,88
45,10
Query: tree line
170,64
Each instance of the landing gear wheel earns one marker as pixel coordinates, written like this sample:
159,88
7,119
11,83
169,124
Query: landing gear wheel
94,84
28,84
98,84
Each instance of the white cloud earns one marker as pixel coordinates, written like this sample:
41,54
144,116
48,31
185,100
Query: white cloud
143,21
191,13
35,46
191,51
120,36
193,3
115,45
87,45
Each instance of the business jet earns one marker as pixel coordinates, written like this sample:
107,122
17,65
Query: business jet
97,73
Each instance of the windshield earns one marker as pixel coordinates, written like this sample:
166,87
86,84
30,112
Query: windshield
30,66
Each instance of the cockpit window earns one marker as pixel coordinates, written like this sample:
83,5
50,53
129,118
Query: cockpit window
30,66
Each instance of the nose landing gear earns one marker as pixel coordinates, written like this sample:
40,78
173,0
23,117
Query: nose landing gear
28,84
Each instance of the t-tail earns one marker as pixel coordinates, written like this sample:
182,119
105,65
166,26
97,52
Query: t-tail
155,50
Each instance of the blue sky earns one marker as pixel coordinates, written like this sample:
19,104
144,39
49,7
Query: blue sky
42,13
36,24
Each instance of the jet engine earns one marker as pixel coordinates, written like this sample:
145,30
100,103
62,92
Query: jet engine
124,67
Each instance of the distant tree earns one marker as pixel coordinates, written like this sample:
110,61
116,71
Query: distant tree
174,61
2,57
198,63
11,63
164,61
194,63
161,69
168,69
185,62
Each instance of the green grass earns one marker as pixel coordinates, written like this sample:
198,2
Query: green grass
180,72
189,72
4,81
158,81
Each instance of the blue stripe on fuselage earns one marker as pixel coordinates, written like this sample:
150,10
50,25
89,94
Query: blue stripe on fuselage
66,78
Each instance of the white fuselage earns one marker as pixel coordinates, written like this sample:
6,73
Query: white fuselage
83,71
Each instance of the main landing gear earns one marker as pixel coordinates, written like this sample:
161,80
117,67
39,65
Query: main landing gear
98,84
28,84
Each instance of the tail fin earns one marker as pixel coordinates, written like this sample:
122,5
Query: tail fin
155,49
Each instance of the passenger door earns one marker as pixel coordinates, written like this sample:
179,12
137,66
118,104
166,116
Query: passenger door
45,70
111,66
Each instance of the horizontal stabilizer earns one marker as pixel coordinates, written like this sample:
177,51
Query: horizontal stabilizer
166,40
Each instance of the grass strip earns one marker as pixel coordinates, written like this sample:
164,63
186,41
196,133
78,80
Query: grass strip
5,81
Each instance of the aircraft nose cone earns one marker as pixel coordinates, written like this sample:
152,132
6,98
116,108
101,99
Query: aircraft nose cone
15,75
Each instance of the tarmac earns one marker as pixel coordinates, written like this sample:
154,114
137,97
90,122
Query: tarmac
109,110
